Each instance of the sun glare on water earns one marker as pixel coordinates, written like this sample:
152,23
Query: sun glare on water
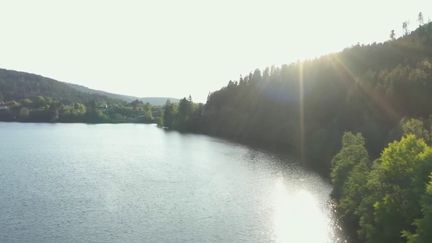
298,216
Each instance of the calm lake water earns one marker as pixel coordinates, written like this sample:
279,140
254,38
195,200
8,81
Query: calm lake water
138,183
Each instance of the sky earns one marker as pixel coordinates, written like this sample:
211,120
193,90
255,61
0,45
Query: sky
176,48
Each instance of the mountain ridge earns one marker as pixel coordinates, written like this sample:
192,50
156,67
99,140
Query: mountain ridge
19,85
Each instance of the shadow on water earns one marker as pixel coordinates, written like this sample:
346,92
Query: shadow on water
135,183
285,163
286,154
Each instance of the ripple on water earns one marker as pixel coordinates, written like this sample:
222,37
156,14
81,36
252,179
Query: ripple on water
138,183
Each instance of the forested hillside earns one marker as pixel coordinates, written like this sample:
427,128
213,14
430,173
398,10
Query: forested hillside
388,199
377,97
16,85
305,107
20,85
28,97
156,101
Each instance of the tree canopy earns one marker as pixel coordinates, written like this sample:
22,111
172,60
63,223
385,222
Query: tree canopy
305,107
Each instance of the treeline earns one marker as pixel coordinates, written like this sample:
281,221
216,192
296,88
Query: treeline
388,199
26,97
183,116
47,109
306,107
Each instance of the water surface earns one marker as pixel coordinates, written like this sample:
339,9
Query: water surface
138,183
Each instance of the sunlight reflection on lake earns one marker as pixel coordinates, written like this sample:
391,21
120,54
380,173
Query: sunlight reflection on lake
298,216
137,183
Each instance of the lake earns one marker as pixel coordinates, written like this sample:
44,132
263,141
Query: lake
139,183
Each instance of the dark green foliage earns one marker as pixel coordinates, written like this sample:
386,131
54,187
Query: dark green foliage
20,85
305,107
170,111
395,186
417,127
349,171
386,201
31,98
46,109
423,232
352,154
184,116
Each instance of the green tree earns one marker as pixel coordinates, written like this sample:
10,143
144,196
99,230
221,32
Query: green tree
423,233
352,153
416,127
148,116
24,113
40,101
350,168
420,18
392,35
405,27
27,102
395,186
169,114
184,114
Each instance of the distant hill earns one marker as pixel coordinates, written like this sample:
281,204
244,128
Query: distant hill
86,90
16,85
158,100
151,100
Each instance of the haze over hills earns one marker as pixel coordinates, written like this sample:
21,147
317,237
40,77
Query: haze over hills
16,85
151,100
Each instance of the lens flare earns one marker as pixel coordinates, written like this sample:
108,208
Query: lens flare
301,111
